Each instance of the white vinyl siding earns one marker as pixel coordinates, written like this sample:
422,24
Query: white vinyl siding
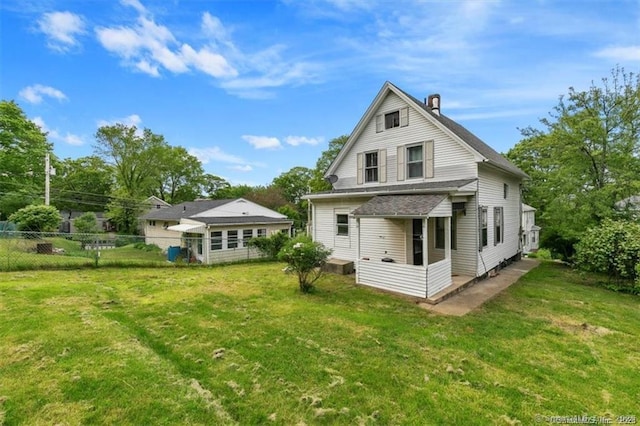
451,160
324,229
491,195
383,238
438,276
465,255
397,277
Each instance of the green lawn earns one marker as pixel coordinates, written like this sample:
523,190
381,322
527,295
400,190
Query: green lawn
239,345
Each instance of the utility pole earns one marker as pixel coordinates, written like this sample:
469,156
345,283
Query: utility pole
47,172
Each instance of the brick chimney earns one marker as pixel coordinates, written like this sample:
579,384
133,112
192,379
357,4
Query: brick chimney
433,102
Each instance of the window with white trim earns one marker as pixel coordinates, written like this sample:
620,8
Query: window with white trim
216,240
415,161
505,189
371,166
484,237
262,232
498,219
152,223
392,119
342,224
232,239
247,234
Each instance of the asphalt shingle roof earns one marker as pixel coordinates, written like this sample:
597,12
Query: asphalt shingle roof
400,205
237,220
421,186
184,210
472,140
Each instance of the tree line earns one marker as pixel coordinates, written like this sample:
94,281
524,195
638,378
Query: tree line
126,167
584,162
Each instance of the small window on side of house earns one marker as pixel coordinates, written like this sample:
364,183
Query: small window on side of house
484,237
247,234
152,223
371,166
342,224
498,225
505,189
232,239
392,120
262,232
415,161
216,240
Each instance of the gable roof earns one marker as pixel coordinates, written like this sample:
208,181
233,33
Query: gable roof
184,210
457,131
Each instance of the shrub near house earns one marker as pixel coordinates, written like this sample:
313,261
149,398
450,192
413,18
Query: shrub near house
613,248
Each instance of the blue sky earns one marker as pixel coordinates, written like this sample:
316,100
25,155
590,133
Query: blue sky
254,88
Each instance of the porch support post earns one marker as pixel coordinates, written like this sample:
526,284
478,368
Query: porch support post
447,238
425,242
425,254
357,262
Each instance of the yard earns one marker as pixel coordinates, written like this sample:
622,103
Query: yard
239,345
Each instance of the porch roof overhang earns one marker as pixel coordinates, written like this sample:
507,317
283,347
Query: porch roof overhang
187,227
457,187
419,205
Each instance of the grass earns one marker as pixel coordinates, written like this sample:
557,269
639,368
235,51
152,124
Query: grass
239,345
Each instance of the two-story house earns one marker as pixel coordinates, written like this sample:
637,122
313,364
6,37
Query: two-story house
418,202
530,231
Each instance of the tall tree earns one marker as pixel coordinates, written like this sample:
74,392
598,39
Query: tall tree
134,158
294,183
586,160
23,146
180,176
212,184
82,184
317,182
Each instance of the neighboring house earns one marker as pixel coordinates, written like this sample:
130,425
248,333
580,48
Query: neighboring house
68,217
150,204
418,199
530,231
214,231
630,205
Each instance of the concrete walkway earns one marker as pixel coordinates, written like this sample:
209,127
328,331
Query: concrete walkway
474,296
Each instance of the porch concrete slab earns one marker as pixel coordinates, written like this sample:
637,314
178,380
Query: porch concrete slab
472,297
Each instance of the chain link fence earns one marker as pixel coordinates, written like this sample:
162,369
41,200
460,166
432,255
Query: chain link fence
53,250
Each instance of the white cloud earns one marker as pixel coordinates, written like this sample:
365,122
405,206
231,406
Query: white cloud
262,142
620,53
55,135
245,168
61,29
129,120
151,48
33,94
148,46
300,140
134,4
206,155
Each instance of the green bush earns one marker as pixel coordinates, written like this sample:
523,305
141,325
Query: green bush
613,248
37,218
270,246
305,258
